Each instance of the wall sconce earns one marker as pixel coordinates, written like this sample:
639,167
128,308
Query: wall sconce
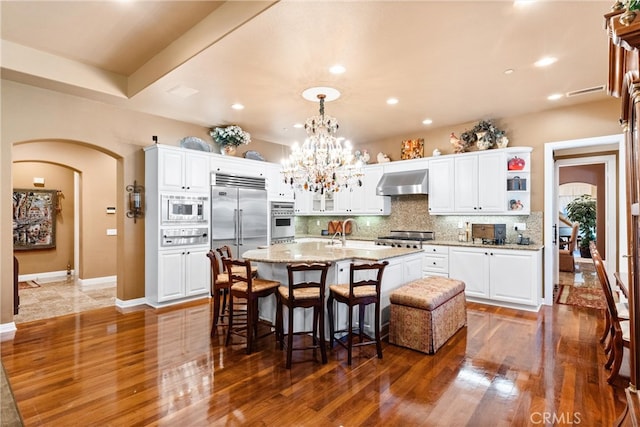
136,205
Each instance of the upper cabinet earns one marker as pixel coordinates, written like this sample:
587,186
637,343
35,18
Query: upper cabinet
479,183
238,166
485,182
441,185
356,200
276,187
181,170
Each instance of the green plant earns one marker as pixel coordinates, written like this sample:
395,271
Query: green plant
583,210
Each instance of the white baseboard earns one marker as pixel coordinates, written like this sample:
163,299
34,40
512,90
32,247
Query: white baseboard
130,302
50,276
98,282
7,331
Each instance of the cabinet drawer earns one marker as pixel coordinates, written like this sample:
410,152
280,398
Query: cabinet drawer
435,263
436,249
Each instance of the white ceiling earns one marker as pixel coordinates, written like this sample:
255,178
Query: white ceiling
443,60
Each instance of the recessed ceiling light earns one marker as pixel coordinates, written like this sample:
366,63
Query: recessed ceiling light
392,101
554,97
337,69
237,106
509,71
523,3
298,125
427,121
545,62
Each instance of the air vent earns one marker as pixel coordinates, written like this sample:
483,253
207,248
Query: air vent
585,91
237,181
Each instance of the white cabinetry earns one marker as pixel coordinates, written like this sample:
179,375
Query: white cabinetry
435,261
363,200
441,185
238,166
479,183
507,277
356,200
277,189
181,273
180,169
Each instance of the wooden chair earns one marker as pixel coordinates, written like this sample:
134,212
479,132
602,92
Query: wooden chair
566,261
245,286
358,293
225,252
619,329
303,294
219,292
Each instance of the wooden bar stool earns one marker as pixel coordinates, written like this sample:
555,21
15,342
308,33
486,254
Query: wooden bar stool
225,252
245,286
358,293
303,294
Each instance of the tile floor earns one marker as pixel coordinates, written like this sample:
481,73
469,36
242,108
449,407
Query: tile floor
57,298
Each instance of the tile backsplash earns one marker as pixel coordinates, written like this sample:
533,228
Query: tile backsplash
411,213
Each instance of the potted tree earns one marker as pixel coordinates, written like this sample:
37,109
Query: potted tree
583,210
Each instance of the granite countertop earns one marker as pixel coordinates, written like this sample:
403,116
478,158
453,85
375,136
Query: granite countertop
320,251
531,247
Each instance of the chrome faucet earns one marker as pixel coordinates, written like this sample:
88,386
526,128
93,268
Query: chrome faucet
344,229
334,236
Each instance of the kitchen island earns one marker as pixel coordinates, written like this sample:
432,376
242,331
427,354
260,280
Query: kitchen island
405,265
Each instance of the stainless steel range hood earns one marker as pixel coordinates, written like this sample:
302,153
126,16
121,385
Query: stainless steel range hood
401,183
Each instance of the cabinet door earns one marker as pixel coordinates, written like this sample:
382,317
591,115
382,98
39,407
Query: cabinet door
197,271
170,170
196,172
491,182
170,275
514,276
466,184
302,202
370,202
276,187
441,178
470,265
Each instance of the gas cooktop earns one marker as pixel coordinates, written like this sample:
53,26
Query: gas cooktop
405,239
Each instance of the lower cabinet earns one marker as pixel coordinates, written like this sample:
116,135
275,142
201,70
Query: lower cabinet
435,261
512,278
182,273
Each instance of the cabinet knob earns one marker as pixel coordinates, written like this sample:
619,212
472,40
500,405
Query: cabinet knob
434,263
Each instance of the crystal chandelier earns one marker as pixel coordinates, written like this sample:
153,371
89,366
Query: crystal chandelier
323,163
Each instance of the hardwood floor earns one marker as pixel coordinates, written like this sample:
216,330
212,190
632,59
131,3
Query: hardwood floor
160,367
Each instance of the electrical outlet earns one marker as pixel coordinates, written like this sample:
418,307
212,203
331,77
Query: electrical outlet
112,232
520,226
318,222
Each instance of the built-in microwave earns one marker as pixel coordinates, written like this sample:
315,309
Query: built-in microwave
183,209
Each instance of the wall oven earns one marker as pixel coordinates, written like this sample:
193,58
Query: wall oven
183,209
282,222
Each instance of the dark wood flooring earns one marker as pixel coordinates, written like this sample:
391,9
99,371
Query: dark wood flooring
159,367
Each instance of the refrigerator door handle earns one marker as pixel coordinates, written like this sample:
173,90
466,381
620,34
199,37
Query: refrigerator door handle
240,238
235,226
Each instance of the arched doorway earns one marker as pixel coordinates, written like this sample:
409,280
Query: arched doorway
85,221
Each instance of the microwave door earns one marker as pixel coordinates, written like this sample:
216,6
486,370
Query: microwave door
224,213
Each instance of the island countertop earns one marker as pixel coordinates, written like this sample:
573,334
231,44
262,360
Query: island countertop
321,251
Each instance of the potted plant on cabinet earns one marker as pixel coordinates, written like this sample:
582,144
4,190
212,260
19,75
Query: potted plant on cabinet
583,210
230,137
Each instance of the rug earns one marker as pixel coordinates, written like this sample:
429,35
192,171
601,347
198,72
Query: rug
29,284
581,296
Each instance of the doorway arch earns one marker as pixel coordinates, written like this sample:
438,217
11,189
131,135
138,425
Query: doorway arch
97,170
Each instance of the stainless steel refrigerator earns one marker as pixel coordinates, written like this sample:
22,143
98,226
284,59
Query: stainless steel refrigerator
239,213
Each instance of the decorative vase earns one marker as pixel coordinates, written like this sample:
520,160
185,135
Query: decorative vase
483,143
502,142
228,150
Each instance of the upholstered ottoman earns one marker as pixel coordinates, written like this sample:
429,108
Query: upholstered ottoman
427,312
